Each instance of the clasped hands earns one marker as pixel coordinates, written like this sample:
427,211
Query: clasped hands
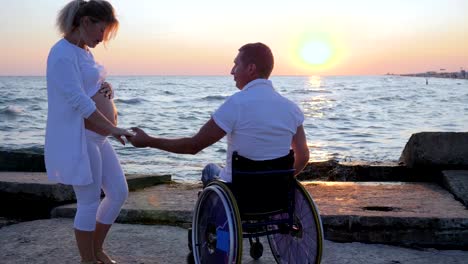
136,136
139,138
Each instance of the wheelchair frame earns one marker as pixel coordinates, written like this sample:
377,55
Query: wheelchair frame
207,243
219,225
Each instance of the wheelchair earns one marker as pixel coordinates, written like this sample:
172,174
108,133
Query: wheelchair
264,199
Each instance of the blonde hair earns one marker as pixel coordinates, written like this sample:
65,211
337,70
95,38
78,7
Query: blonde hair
69,17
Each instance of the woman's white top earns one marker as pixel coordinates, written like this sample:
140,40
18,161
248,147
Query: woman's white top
72,78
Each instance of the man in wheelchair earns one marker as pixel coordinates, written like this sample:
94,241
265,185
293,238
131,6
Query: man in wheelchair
264,134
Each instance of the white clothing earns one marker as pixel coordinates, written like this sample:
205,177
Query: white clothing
66,154
259,123
106,173
93,73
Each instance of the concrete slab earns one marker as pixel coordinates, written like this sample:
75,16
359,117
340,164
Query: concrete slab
35,186
456,181
167,203
413,214
421,214
385,199
52,241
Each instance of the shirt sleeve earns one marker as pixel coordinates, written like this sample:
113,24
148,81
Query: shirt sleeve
67,82
226,115
300,117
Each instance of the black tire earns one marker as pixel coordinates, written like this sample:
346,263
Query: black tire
190,259
189,238
256,250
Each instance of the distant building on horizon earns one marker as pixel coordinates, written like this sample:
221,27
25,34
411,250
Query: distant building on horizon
462,74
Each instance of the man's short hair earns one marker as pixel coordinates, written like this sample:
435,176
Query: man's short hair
260,55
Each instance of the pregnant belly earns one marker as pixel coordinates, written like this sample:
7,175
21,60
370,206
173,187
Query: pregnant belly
107,108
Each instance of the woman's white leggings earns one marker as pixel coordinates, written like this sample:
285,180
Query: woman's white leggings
108,175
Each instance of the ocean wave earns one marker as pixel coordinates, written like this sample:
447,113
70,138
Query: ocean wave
23,100
165,83
391,98
307,91
12,110
20,100
30,150
131,101
35,108
188,117
214,98
358,118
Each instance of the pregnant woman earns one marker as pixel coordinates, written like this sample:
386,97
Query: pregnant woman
80,117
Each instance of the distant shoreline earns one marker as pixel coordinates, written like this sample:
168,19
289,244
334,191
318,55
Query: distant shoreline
462,75
431,76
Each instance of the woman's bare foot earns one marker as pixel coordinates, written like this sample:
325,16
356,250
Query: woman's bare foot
104,258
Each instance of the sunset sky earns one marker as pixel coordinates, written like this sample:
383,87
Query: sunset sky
186,37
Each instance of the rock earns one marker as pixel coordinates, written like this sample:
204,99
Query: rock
317,170
443,150
341,173
29,195
5,222
22,160
362,171
34,186
456,181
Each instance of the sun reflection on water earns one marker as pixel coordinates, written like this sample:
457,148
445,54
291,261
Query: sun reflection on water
315,81
318,151
318,101
315,105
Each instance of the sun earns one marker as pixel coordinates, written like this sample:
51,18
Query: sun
316,52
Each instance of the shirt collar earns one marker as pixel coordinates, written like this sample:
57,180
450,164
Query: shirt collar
257,82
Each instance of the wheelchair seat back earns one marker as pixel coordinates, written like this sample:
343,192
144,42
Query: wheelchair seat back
262,187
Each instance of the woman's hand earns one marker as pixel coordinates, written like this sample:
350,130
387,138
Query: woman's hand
117,133
106,89
139,139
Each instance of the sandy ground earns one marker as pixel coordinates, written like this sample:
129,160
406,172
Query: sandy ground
52,241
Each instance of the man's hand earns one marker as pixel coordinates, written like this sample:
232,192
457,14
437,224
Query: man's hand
106,89
139,139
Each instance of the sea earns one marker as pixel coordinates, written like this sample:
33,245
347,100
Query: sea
347,118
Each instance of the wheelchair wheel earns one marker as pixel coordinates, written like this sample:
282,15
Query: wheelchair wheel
217,228
303,242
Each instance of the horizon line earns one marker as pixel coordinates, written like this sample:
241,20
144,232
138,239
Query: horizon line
208,75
